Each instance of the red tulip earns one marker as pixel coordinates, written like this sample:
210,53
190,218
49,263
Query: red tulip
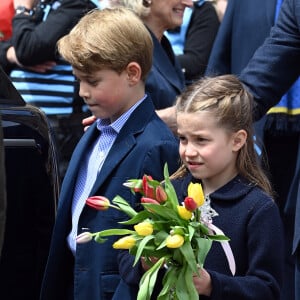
190,204
161,195
149,200
148,190
98,202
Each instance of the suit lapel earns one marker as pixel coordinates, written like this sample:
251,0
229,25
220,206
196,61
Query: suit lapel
79,153
162,63
125,141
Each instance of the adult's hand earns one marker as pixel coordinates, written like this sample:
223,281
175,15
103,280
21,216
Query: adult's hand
168,115
87,122
40,68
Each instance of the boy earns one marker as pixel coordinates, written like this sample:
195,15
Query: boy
111,53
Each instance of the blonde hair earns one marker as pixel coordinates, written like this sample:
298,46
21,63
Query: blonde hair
232,105
139,7
108,39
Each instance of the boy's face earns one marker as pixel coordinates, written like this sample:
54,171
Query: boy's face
106,92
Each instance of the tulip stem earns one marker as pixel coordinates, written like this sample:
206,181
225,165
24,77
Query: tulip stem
114,206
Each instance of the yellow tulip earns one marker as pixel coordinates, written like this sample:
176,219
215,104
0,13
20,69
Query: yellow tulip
184,213
174,241
195,191
126,242
143,228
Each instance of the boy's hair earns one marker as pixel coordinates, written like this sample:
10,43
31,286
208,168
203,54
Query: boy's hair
108,39
230,102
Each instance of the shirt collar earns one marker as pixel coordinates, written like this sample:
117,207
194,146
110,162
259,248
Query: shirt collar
119,123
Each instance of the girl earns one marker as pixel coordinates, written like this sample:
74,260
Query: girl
216,147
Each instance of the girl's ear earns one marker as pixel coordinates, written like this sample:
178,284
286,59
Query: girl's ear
239,139
134,73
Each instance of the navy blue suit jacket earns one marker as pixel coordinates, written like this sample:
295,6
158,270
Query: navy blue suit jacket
242,15
143,146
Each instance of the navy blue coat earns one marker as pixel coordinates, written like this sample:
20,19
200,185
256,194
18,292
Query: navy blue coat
165,80
251,219
143,146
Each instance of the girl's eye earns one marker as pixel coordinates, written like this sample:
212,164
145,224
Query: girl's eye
181,138
200,139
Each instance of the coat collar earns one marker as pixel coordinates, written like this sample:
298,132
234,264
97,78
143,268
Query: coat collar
234,190
124,142
165,62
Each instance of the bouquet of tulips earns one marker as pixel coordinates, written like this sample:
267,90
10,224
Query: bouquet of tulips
178,235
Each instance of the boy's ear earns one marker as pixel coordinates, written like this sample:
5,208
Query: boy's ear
134,73
239,139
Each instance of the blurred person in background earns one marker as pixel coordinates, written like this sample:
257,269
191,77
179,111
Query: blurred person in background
39,74
193,40
243,29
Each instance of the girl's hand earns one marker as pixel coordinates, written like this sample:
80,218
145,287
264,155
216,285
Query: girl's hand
203,283
146,266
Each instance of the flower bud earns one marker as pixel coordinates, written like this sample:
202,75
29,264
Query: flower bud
148,189
195,191
84,237
98,202
135,185
149,200
144,228
190,204
174,241
161,195
184,213
126,242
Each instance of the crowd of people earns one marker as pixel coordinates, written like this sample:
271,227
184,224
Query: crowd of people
190,83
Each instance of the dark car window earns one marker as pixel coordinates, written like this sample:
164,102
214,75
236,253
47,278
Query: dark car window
32,187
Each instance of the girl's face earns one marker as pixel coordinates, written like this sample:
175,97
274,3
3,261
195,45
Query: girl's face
168,14
208,151
106,92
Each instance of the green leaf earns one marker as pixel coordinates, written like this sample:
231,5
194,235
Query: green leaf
188,253
181,289
188,279
160,237
98,236
124,206
117,231
218,237
191,232
141,246
139,217
168,283
204,246
163,211
148,280
172,196
162,245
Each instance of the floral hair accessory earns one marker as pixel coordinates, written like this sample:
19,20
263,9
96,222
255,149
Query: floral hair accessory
178,236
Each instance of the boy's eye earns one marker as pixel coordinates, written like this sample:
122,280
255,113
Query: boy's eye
92,82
